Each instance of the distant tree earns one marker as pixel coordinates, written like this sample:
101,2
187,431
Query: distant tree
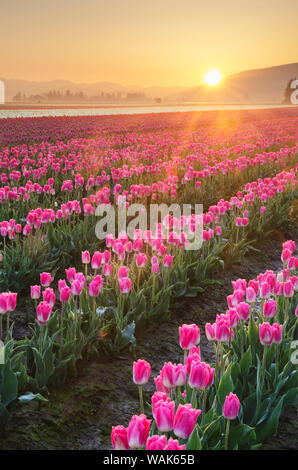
18,96
288,92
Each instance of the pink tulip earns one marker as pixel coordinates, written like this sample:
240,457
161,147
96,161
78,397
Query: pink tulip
141,372
270,308
180,375
201,375
168,260
94,288
49,296
137,431
3,304
265,290
288,289
125,285
243,310
85,257
141,260
43,311
250,295
173,444
222,331
61,284
123,271
70,274
96,260
155,268
276,330
231,406
265,334
156,398
76,287
65,294
167,375
164,415
289,245
286,255
210,332
185,420
35,292
119,438
45,279
160,386
107,269
156,442
189,336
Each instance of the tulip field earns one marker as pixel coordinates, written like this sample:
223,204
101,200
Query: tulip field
70,300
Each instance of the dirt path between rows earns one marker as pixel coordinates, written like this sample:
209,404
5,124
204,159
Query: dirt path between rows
80,414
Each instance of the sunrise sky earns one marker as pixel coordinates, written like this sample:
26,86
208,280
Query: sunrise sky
143,42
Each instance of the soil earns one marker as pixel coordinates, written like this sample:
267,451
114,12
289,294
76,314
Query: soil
81,413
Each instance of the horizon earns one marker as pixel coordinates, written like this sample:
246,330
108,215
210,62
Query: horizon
137,85
168,44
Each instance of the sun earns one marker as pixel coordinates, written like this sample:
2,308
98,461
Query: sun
212,77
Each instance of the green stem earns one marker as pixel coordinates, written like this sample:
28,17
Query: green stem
227,435
263,368
7,326
276,363
204,404
141,399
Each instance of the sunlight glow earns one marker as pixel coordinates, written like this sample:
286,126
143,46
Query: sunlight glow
212,77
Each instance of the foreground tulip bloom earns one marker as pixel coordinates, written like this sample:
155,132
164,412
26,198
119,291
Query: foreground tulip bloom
156,398
35,292
125,285
160,387
156,442
185,420
276,330
141,372
164,415
137,431
270,308
231,406
167,375
265,334
85,257
189,336
119,438
230,411
201,375
173,444
43,311
65,294
45,279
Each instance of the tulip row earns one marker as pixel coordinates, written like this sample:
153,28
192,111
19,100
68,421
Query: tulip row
194,406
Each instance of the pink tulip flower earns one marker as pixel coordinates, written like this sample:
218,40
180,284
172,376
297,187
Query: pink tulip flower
185,420
137,431
141,372
231,406
119,438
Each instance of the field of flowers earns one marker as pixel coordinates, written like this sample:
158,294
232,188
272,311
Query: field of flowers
88,297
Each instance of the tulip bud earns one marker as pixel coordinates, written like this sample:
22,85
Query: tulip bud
231,406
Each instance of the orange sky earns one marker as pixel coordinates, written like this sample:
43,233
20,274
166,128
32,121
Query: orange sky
143,42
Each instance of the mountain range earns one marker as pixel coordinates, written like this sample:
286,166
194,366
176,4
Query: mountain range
266,85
